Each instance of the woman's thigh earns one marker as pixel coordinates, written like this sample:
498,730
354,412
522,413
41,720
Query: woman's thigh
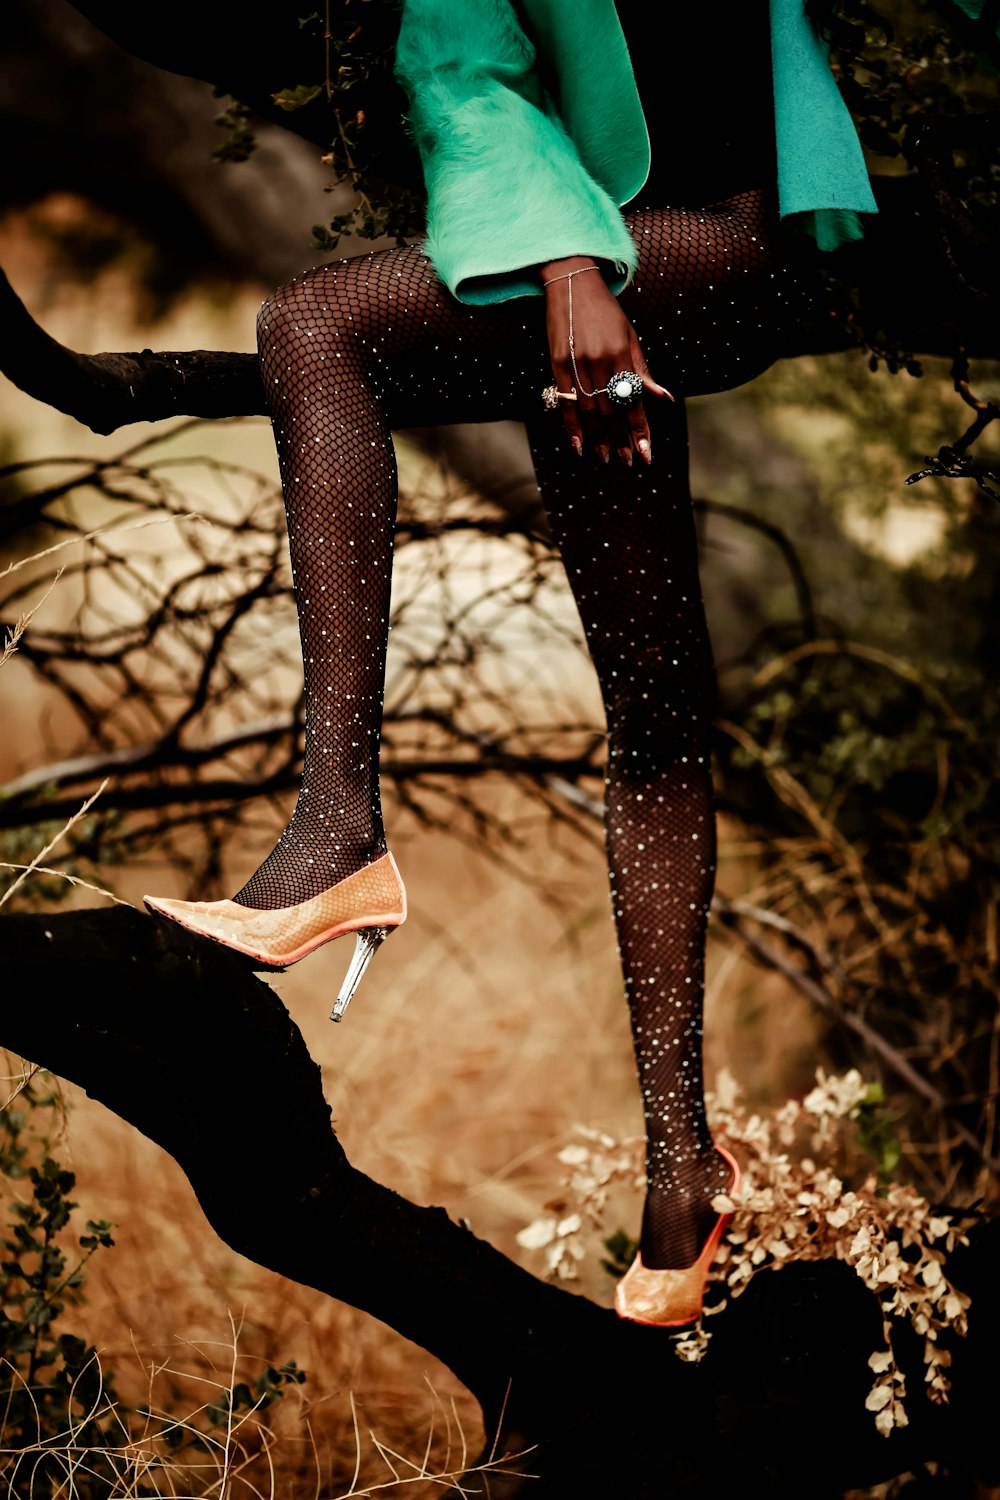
385,322
703,301
628,541
709,296
711,301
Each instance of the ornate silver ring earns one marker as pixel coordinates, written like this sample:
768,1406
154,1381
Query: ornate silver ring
623,389
552,395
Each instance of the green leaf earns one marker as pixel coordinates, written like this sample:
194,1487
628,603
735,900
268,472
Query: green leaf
296,98
621,1250
100,1234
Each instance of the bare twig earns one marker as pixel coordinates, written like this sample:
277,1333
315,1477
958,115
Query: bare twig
27,869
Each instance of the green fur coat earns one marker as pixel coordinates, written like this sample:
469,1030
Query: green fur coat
531,135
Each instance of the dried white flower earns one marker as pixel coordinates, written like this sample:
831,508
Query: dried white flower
788,1209
537,1235
574,1156
880,1395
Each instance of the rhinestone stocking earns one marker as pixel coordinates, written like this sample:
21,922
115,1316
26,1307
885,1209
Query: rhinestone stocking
359,347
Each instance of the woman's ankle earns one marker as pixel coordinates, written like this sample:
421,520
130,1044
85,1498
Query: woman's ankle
299,868
678,1217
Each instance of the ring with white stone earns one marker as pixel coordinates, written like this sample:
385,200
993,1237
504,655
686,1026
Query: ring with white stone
624,388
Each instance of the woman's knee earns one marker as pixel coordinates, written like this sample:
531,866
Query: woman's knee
306,309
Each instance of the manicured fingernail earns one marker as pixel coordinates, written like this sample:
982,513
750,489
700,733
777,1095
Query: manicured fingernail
670,394
625,454
603,454
577,446
645,450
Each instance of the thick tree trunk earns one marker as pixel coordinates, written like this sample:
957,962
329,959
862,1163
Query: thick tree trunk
602,1407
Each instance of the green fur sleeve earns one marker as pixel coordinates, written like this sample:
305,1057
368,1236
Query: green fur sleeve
506,189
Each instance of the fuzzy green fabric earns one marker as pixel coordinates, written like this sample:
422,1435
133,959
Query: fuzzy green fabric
532,137
506,185
822,179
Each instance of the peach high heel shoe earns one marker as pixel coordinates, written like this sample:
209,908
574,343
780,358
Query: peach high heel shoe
669,1299
371,903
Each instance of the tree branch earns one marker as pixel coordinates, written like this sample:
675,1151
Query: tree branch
20,806
112,994
108,391
118,993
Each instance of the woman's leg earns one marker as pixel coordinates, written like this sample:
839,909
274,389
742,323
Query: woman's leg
348,352
704,306
628,542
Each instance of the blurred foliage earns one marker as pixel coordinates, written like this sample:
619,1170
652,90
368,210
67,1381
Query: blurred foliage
919,78
368,148
622,1251
240,141
858,746
64,1429
922,81
53,1393
877,1133
904,65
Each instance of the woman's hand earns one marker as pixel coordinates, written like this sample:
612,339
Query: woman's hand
604,342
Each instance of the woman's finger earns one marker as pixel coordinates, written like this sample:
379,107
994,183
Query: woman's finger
653,387
616,427
595,436
574,432
619,420
565,401
641,368
637,420
609,418
638,424
613,416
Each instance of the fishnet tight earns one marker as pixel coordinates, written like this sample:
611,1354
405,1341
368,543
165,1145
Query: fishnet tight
359,347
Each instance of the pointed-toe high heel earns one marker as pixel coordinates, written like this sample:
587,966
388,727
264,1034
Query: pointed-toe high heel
670,1299
371,903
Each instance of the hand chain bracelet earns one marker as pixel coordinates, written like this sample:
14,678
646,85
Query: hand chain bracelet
625,386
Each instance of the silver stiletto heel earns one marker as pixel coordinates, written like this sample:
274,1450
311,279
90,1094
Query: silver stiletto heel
367,943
